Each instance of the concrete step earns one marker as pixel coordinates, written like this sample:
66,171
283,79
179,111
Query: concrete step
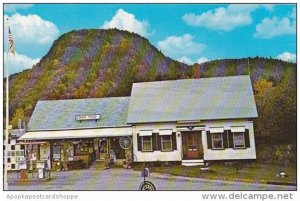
197,162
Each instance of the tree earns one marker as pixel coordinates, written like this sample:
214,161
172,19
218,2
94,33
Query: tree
19,114
261,87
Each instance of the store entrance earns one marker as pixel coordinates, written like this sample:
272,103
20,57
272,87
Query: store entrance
110,148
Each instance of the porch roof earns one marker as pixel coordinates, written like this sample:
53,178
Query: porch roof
80,133
192,99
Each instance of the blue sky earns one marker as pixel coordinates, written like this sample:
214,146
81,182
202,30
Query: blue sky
185,32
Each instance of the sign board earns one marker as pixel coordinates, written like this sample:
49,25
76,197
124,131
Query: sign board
40,164
85,117
22,165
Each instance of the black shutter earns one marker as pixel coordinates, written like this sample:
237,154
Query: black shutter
139,140
174,143
230,139
208,139
247,140
158,142
154,141
225,139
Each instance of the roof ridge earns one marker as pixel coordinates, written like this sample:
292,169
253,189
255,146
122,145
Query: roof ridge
78,99
192,79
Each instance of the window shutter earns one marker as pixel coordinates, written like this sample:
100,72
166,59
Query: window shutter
154,141
225,139
158,142
247,139
139,139
208,139
230,139
174,143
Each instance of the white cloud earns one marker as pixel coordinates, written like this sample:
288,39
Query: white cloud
225,19
177,46
287,56
269,7
189,61
269,28
186,60
32,29
293,13
18,62
127,21
202,60
11,8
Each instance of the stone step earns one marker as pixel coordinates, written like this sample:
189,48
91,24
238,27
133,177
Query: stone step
197,162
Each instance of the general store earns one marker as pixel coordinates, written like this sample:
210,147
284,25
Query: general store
188,121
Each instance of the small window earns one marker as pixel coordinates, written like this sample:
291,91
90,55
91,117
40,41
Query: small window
217,141
56,152
22,146
166,143
3,147
12,153
239,140
13,166
147,143
8,160
13,147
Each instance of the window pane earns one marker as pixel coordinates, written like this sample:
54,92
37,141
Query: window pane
147,146
56,152
166,143
166,146
217,141
239,140
147,143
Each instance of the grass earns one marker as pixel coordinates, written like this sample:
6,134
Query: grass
261,172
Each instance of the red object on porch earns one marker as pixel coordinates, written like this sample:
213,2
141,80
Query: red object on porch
23,174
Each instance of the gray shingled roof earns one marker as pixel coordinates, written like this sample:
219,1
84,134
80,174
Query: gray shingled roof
192,99
60,114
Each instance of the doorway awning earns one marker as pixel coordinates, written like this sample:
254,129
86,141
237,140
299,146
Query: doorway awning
237,129
81,133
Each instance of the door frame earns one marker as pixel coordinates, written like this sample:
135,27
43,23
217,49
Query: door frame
200,150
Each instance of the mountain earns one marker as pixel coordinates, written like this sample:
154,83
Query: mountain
102,63
90,63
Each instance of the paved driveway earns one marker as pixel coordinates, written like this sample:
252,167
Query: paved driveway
126,179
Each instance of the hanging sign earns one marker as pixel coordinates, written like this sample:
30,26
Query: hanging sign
85,117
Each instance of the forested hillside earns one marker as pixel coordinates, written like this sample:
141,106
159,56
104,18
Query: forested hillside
103,63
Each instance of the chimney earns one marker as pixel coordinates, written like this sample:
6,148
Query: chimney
196,69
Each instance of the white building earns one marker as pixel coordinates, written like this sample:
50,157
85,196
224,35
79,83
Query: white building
188,121
78,131
193,120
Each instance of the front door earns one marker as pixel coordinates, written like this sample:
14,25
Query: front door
192,145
